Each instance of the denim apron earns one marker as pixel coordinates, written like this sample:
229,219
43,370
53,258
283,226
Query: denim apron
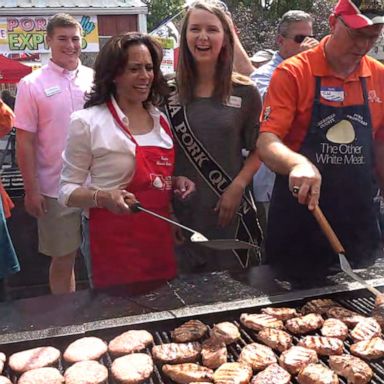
295,245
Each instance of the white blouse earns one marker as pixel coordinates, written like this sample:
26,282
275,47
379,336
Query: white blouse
99,153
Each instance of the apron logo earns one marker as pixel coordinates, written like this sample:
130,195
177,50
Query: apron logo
267,113
373,98
161,182
157,181
341,133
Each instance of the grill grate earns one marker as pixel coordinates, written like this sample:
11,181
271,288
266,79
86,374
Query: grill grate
161,333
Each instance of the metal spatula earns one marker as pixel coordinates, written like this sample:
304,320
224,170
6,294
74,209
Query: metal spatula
339,249
197,237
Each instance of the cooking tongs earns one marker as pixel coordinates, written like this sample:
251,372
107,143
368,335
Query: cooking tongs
197,237
339,249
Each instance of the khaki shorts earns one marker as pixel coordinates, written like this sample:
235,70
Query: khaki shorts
59,229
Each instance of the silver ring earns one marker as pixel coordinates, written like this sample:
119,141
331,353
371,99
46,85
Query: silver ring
295,190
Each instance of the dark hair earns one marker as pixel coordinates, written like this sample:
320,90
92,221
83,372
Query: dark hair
8,99
186,70
62,20
111,62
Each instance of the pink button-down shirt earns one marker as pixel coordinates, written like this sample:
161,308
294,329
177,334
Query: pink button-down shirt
45,101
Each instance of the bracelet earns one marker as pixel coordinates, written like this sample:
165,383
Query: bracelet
94,198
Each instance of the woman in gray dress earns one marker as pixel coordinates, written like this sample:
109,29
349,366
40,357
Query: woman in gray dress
215,114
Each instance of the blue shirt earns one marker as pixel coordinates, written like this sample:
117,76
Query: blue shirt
262,76
264,178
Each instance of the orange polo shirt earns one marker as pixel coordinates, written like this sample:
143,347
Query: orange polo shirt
288,104
6,121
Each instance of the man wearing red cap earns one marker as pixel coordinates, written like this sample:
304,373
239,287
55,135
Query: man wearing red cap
322,131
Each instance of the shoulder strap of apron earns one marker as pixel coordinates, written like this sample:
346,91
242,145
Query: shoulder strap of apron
214,175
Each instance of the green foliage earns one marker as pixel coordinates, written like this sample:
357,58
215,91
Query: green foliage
257,20
158,10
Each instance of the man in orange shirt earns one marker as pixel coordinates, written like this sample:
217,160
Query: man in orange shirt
323,131
8,260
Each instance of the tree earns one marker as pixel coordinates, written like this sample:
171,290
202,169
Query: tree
257,20
158,10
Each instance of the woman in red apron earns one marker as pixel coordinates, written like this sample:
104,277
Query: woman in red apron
123,144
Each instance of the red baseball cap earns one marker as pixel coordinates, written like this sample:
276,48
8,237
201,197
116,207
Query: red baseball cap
360,13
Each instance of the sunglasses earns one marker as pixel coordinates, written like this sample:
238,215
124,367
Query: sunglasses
299,38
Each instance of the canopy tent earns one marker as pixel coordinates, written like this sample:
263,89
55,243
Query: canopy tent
12,71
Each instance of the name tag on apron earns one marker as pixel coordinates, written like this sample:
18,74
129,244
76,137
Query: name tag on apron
332,93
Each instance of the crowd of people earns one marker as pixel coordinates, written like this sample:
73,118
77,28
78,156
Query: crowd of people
293,129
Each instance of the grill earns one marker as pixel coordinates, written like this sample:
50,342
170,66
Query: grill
357,301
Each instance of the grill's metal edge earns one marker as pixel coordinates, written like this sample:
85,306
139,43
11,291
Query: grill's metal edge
179,313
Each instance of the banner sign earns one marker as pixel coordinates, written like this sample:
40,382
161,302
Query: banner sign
169,37
28,34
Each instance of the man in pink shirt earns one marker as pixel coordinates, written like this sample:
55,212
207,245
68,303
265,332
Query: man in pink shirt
45,101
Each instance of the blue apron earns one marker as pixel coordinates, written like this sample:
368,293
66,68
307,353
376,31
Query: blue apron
8,259
295,245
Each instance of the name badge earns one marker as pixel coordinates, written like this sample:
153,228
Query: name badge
52,90
332,93
234,102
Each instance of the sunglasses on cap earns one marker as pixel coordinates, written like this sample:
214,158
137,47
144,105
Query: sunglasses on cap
299,38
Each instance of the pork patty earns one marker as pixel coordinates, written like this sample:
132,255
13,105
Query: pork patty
85,372
174,353
273,374
226,332
130,341
317,374
132,369
33,358
86,348
192,330
233,373
46,375
187,373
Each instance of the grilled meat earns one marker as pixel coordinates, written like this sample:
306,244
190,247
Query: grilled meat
258,356
319,306
273,374
378,315
132,369
334,328
185,373
226,332
283,313
259,321
233,373
323,345
347,316
275,338
2,361
317,374
129,342
369,349
355,370
46,375
86,348
5,380
192,330
173,353
366,329
304,324
33,358
85,372
214,353
296,358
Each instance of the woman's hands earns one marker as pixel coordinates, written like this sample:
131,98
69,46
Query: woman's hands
183,187
229,203
117,201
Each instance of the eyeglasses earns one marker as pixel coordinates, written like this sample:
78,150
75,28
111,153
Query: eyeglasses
299,38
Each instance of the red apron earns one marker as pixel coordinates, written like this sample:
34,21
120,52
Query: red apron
136,247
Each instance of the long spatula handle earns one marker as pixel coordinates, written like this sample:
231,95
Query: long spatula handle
327,230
